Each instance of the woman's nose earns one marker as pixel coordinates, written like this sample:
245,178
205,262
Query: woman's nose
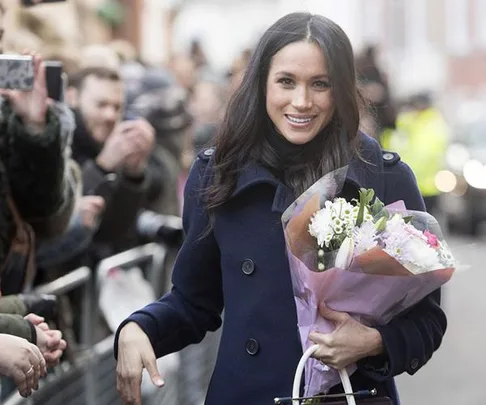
301,99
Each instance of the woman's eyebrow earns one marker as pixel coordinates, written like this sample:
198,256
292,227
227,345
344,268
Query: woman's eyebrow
284,73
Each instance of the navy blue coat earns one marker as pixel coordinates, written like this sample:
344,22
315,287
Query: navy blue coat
242,267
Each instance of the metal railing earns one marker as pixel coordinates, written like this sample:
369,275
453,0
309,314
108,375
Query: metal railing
90,378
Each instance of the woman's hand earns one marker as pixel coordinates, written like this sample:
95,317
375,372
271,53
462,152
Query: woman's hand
49,341
23,362
134,353
31,106
349,342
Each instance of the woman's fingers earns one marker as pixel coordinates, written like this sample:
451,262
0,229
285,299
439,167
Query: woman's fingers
150,363
129,380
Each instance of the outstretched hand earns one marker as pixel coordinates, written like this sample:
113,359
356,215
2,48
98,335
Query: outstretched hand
134,354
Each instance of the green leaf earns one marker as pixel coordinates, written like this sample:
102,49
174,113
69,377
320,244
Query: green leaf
370,195
362,204
377,207
380,225
408,219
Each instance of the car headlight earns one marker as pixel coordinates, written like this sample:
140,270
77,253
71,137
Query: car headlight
475,174
456,156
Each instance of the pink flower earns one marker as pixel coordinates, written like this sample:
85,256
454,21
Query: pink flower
432,239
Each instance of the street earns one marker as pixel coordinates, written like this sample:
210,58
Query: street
456,375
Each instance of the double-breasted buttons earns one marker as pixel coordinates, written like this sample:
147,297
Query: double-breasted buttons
248,267
209,152
252,346
414,363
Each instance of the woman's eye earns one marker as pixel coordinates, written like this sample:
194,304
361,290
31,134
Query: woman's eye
321,84
285,81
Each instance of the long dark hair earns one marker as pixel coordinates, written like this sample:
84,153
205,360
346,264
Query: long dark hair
242,133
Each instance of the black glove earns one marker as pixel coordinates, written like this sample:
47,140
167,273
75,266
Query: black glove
40,304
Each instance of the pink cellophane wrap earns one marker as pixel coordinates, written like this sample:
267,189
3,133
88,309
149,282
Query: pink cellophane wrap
373,290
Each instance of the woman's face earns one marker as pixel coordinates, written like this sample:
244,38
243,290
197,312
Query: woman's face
298,95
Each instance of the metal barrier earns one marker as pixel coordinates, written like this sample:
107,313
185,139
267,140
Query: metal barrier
68,373
152,252
91,378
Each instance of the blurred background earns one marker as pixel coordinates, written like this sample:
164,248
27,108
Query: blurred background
421,66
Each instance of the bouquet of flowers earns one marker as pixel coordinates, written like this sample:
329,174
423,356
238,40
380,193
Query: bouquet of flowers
359,257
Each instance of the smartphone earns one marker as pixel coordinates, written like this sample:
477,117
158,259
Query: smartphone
55,80
29,3
16,72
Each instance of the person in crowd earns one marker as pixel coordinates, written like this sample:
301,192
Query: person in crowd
38,194
294,118
421,138
114,157
380,110
36,202
238,67
165,108
206,105
78,236
184,69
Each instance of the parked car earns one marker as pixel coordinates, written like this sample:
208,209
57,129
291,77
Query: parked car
463,182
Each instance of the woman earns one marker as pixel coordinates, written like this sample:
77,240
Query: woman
294,118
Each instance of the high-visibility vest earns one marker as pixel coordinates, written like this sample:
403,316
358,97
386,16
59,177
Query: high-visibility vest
421,139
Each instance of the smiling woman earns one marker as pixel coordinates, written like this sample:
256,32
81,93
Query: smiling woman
299,97
294,118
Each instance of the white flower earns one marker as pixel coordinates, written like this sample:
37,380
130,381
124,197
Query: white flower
365,237
345,254
321,226
446,256
409,246
332,220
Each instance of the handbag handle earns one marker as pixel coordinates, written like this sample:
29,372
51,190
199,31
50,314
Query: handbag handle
343,374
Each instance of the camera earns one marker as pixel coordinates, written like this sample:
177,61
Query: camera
162,228
16,72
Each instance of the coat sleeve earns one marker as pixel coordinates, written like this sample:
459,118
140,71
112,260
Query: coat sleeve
18,326
39,180
194,305
124,199
410,339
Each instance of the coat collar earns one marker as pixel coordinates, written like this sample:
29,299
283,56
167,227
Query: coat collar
254,174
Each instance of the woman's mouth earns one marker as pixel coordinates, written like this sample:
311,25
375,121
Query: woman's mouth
300,121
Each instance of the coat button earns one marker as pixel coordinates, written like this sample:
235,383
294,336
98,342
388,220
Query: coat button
209,152
252,346
248,267
414,363
388,156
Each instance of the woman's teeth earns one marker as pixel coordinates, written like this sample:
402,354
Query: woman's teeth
299,120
